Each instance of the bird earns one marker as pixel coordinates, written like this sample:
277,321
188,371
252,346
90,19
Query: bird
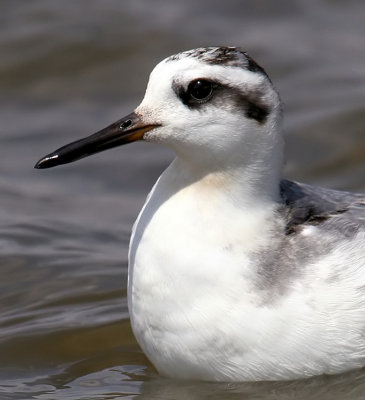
235,273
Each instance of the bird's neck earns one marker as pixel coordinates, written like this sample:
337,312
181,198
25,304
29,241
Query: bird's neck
247,170
255,180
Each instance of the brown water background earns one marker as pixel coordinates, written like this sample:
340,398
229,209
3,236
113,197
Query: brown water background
69,68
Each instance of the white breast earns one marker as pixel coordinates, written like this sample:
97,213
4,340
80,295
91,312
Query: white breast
195,308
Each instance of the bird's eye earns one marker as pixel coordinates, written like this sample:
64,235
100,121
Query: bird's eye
200,89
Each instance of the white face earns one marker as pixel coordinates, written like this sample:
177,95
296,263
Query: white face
239,111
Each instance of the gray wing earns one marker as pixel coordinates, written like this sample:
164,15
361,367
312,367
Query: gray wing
311,205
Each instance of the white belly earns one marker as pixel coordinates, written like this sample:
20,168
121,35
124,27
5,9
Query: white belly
197,312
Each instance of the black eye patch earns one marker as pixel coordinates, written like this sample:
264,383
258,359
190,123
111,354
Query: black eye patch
198,91
204,92
256,109
250,103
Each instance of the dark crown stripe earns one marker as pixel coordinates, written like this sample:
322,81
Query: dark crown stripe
226,56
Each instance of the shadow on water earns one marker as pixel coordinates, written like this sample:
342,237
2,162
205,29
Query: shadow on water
106,377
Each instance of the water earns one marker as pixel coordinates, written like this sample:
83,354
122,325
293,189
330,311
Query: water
68,69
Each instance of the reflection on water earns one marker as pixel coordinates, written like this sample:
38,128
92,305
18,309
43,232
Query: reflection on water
68,69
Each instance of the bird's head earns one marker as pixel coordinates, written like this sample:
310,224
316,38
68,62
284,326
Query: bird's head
212,106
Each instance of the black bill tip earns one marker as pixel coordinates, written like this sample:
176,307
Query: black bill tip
128,129
47,162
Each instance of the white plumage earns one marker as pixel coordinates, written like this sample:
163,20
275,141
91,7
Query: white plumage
235,274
